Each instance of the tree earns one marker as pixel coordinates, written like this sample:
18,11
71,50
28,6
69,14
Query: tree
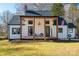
58,9
6,17
43,6
66,8
77,20
73,13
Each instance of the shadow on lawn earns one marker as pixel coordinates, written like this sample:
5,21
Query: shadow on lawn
37,41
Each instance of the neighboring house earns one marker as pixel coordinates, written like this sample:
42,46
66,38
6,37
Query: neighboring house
39,25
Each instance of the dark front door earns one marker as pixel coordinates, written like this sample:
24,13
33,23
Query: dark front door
47,31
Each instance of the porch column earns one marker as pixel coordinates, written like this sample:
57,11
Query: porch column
44,29
20,27
34,29
57,27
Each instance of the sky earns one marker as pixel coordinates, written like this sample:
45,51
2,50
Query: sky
10,6
7,6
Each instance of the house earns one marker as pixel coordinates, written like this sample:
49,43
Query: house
39,25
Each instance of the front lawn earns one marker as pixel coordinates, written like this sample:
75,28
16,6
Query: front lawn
40,48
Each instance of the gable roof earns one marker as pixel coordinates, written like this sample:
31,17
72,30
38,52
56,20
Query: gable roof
15,20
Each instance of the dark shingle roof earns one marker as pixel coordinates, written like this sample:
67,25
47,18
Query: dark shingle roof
15,20
71,25
38,13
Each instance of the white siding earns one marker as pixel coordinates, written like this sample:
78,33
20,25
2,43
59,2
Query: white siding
72,33
64,32
24,31
53,31
14,36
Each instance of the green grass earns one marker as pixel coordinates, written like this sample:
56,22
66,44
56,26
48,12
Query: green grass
40,48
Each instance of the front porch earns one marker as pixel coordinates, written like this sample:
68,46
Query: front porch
39,29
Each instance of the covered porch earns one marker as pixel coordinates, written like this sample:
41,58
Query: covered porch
38,27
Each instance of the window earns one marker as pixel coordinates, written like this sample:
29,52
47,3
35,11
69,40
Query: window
70,30
54,22
15,30
47,22
60,30
30,30
30,22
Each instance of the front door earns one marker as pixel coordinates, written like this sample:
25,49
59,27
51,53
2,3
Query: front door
30,30
47,31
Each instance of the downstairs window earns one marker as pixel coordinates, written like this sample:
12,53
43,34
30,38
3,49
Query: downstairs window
70,30
60,30
15,30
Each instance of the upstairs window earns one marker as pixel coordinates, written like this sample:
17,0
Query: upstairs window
47,22
30,21
15,30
